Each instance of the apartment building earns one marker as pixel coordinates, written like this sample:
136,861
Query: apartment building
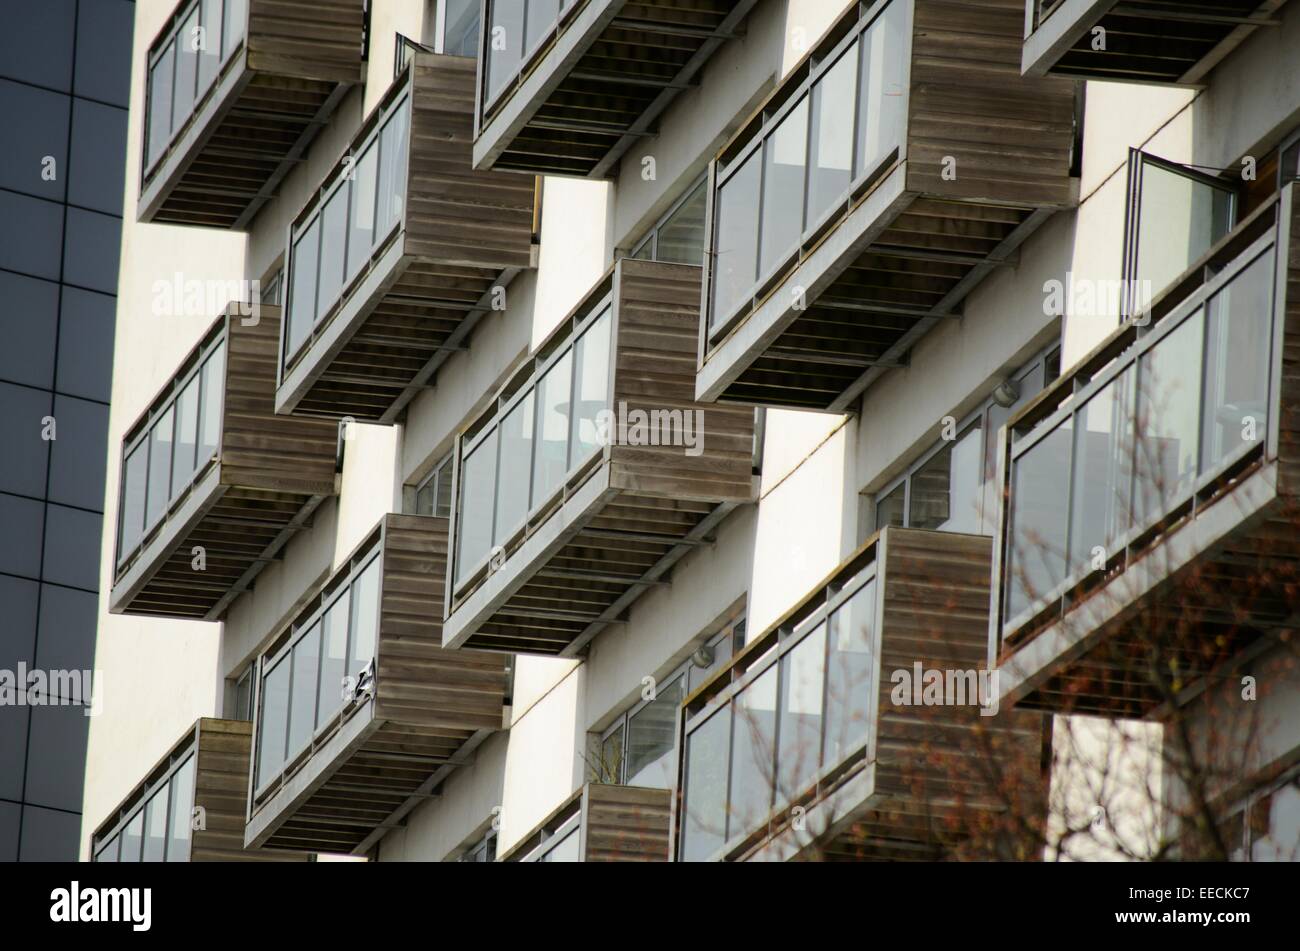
715,430
64,78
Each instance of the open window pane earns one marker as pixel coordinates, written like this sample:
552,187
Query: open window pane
1179,217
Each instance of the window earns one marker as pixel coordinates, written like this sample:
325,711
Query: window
951,488
244,695
485,850
1265,826
156,828
1174,215
433,495
637,748
559,846
677,237
457,27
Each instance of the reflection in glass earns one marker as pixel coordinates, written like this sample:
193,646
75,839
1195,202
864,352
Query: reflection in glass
704,823
610,767
305,689
474,523
178,845
1168,418
803,671
1103,471
680,238
591,387
550,463
392,168
883,84
460,29
516,435
1180,218
334,658
753,754
891,509
1039,483
651,735
946,487
830,164
1237,347
850,690
735,242
784,157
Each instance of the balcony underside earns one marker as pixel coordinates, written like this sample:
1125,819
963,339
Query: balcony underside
1190,602
602,84
1153,41
253,131
240,530
871,291
579,570
375,356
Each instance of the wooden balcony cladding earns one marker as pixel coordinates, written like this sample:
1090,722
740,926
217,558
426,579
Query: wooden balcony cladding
832,252
578,82
1163,552
381,294
355,767
602,823
225,123
578,513
190,807
1174,42
213,483
824,739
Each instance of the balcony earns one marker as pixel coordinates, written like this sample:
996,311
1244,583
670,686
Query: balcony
235,91
213,483
1147,535
808,746
401,251
594,470
190,808
360,712
903,160
601,823
1141,42
566,87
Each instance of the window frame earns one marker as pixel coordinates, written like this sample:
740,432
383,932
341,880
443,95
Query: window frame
650,235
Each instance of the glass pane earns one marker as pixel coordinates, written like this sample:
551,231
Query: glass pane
784,157
236,21
1168,419
274,722
1237,345
551,457
704,823
333,239
442,500
302,288
946,487
210,51
362,217
891,509
1180,217
1031,384
652,737
474,524
515,467
155,827
882,82
592,386
334,659
566,850
799,753
735,241
392,168
187,65
460,30
108,853
424,499
610,767
131,513
187,431
160,103
365,618
305,689
132,838
505,43
542,15
178,846
1101,508
1038,520
830,164
850,687
160,468
753,755
645,251
214,382
681,236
